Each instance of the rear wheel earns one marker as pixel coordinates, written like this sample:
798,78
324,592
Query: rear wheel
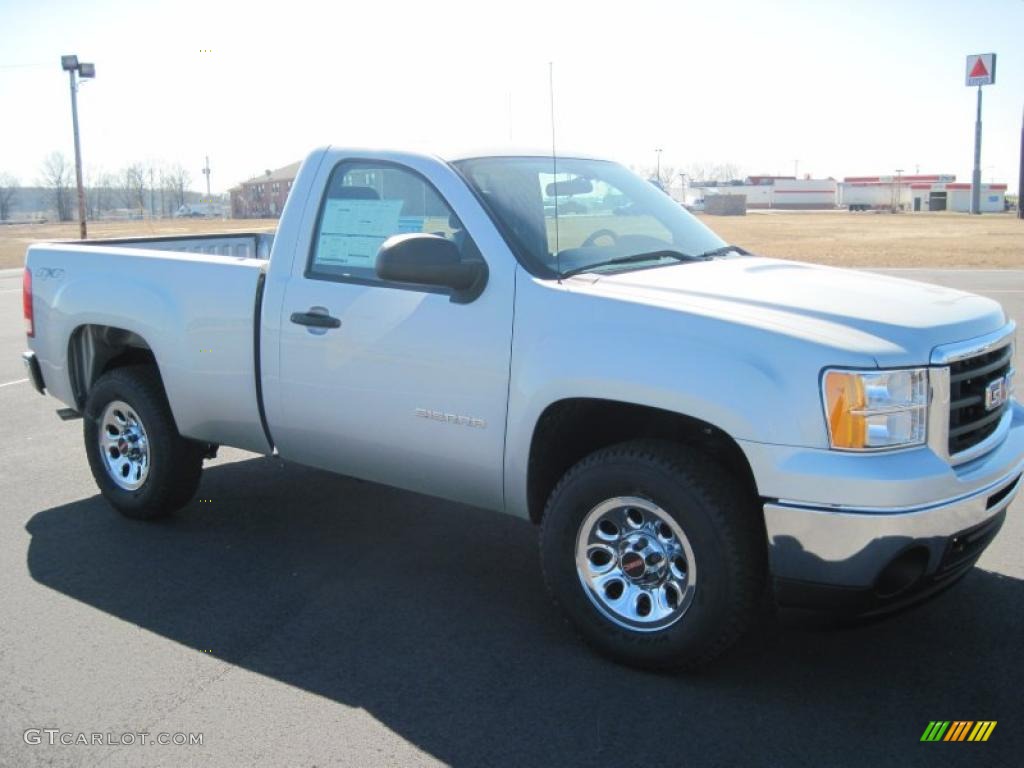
140,463
654,554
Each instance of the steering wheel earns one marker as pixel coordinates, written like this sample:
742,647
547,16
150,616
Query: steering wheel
598,234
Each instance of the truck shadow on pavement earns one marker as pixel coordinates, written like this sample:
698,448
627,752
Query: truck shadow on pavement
433,618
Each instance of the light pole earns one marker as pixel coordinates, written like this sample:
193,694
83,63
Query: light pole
976,173
206,173
899,191
1020,177
71,65
657,172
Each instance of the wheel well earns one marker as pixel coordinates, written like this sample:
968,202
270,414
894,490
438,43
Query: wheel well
95,349
571,429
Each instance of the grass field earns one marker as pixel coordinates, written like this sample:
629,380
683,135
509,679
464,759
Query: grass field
838,238
844,239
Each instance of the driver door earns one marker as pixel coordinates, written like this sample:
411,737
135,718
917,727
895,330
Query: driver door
403,386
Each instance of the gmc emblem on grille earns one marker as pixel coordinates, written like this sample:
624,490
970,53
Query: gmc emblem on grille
997,392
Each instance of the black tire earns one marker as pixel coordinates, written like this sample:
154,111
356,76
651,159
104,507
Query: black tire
175,463
720,521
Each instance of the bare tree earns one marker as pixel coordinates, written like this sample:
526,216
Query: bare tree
98,188
702,172
8,191
668,173
728,172
177,181
665,175
57,172
168,193
713,172
131,186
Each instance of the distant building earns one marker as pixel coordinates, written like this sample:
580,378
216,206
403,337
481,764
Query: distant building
993,198
781,192
263,197
934,192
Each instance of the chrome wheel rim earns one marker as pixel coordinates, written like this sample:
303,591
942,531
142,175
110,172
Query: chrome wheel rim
124,446
636,564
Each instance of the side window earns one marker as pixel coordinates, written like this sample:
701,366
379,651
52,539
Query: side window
365,204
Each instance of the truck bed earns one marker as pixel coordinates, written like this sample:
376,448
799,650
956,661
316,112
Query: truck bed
196,311
248,245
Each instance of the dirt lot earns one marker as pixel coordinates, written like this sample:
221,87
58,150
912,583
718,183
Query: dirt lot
879,239
839,238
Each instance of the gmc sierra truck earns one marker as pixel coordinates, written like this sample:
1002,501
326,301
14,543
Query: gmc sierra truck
692,427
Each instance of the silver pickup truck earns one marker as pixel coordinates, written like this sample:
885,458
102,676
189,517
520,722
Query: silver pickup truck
688,424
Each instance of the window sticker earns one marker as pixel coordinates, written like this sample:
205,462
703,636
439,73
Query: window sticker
353,230
351,250
361,217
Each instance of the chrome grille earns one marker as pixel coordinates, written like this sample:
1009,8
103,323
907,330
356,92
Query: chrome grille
970,421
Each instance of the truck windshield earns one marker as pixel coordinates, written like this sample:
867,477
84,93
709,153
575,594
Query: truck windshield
607,217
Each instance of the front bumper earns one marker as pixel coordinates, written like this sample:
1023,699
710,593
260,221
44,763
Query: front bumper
871,558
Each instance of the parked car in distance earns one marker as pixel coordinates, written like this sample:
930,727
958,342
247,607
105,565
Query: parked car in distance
199,210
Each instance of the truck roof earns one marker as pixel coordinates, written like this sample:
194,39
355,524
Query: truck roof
473,153
491,151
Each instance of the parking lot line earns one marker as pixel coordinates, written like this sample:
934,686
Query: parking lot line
16,381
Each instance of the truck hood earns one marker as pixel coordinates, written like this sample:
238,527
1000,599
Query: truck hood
894,321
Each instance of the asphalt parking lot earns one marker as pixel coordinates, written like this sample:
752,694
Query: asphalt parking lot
295,617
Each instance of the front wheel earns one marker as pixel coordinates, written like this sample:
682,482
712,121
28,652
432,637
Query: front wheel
655,556
140,463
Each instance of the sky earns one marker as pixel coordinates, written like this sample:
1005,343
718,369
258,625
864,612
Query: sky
823,88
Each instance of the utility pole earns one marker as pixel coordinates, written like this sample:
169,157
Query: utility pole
657,172
1020,178
206,173
70,65
976,175
152,196
898,205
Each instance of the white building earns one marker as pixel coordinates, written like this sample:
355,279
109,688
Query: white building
935,192
782,192
993,198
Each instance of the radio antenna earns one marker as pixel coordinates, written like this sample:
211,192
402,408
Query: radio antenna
554,164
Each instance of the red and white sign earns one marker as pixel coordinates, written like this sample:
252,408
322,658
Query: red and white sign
981,69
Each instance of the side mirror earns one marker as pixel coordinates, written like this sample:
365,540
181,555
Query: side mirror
425,259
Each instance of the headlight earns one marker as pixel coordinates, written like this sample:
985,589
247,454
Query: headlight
869,410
